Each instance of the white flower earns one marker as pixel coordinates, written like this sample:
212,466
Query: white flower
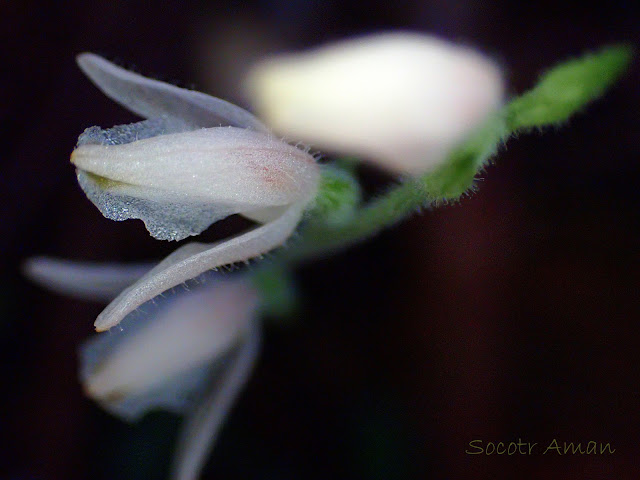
190,352
404,100
195,160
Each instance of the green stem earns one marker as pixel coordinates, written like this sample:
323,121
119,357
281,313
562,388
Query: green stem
382,212
445,184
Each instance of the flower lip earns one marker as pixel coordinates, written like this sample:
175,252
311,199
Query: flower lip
181,183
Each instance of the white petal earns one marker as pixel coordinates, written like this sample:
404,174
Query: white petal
222,165
85,280
193,259
402,99
176,394
179,184
201,428
264,215
163,358
152,98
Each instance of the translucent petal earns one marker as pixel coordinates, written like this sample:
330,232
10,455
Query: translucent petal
167,216
164,358
121,134
85,280
201,428
152,98
192,259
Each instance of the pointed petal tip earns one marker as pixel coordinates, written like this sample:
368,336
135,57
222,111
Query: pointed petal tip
88,60
83,57
30,268
93,66
103,324
41,270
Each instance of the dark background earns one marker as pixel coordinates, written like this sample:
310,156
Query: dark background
511,315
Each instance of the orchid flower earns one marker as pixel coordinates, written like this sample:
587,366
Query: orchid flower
400,100
404,100
195,160
189,353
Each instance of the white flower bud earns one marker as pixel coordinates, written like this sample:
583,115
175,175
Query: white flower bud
401,100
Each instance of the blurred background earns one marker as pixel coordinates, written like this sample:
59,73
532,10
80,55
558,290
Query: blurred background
513,314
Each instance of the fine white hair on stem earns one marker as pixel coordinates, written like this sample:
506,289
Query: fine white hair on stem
84,280
192,259
202,426
153,99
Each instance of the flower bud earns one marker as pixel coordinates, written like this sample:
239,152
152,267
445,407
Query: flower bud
401,100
